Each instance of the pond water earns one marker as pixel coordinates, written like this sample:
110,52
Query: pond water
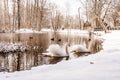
38,43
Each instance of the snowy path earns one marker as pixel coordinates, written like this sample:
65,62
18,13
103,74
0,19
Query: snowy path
104,65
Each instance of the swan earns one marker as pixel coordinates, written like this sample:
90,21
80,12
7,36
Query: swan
55,50
79,50
56,53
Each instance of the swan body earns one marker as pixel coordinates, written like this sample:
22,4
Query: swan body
55,50
79,50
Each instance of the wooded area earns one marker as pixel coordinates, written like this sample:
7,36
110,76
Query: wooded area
38,14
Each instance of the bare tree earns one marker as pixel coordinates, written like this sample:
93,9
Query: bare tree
116,16
97,12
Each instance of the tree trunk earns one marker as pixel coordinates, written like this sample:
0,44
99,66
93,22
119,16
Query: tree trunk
18,62
19,18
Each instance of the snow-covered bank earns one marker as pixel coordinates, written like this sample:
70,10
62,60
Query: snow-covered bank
26,30
66,31
103,65
13,47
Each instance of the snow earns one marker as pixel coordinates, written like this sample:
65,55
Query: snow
68,31
25,30
105,65
11,47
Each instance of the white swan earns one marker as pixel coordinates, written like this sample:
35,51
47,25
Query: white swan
56,53
55,50
79,50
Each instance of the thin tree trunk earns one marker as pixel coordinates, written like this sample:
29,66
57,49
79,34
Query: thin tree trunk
19,18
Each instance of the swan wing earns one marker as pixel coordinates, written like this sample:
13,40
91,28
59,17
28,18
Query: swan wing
79,48
56,50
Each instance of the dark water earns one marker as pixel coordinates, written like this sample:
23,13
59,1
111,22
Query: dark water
39,42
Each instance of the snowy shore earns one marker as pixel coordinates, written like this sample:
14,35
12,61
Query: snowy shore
12,47
103,65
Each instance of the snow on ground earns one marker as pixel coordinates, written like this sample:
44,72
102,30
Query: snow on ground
65,31
12,47
76,32
105,65
25,30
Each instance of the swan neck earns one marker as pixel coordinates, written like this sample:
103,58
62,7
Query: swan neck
66,49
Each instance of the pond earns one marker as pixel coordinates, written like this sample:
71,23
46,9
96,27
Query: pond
38,42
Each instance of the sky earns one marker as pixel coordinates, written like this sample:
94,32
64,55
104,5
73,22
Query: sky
71,6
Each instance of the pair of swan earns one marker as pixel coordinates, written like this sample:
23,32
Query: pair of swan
55,50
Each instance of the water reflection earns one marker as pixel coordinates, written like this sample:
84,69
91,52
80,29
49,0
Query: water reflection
52,59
